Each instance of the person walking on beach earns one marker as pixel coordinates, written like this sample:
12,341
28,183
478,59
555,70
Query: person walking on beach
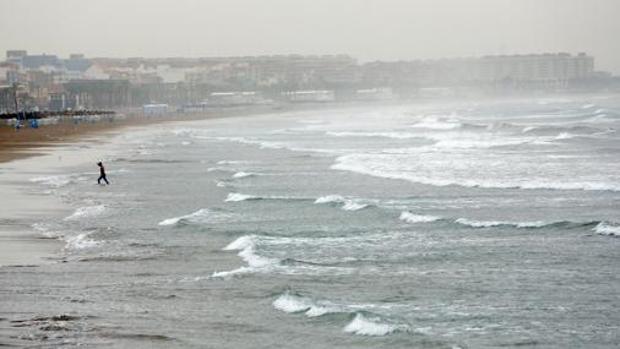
102,174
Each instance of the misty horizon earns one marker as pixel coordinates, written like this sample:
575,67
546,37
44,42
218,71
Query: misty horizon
368,31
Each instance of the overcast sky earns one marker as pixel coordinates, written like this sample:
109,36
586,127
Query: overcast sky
366,29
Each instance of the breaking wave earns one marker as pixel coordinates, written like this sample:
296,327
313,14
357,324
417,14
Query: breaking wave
385,166
365,325
362,322
201,216
609,229
525,225
353,206
242,174
235,197
329,199
415,218
246,245
347,204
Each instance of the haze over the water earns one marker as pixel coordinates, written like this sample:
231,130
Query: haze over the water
366,29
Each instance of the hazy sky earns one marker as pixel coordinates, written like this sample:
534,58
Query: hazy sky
366,29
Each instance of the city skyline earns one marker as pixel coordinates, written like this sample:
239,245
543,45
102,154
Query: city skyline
368,30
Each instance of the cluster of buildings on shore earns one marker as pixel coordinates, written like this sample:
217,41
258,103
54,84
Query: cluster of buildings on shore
48,82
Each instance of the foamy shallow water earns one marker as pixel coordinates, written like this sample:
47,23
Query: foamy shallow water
436,226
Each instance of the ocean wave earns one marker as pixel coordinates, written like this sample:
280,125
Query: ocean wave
201,216
246,245
350,205
235,197
347,204
242,174
292,303
415,218
329,199
606,228
363,323
387,166
86,212
525,225
373,326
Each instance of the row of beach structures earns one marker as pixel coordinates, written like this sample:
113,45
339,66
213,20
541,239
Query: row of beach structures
251,98
38,119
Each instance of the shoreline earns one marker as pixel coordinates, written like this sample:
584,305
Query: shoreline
29,153
47,151
18,144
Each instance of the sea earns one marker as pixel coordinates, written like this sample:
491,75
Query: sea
438,224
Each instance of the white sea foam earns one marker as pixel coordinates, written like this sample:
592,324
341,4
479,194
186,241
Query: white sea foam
241,243
373,326
351,205
431,169
605,228
53,181
86,212
329,199
415,218
80,242
490,224
290,303
229,273
234,197
247,245
201,216
241,174
347,204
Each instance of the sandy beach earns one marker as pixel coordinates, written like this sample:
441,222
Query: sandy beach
26,142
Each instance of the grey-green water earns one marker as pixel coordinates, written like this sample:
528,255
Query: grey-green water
462,225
